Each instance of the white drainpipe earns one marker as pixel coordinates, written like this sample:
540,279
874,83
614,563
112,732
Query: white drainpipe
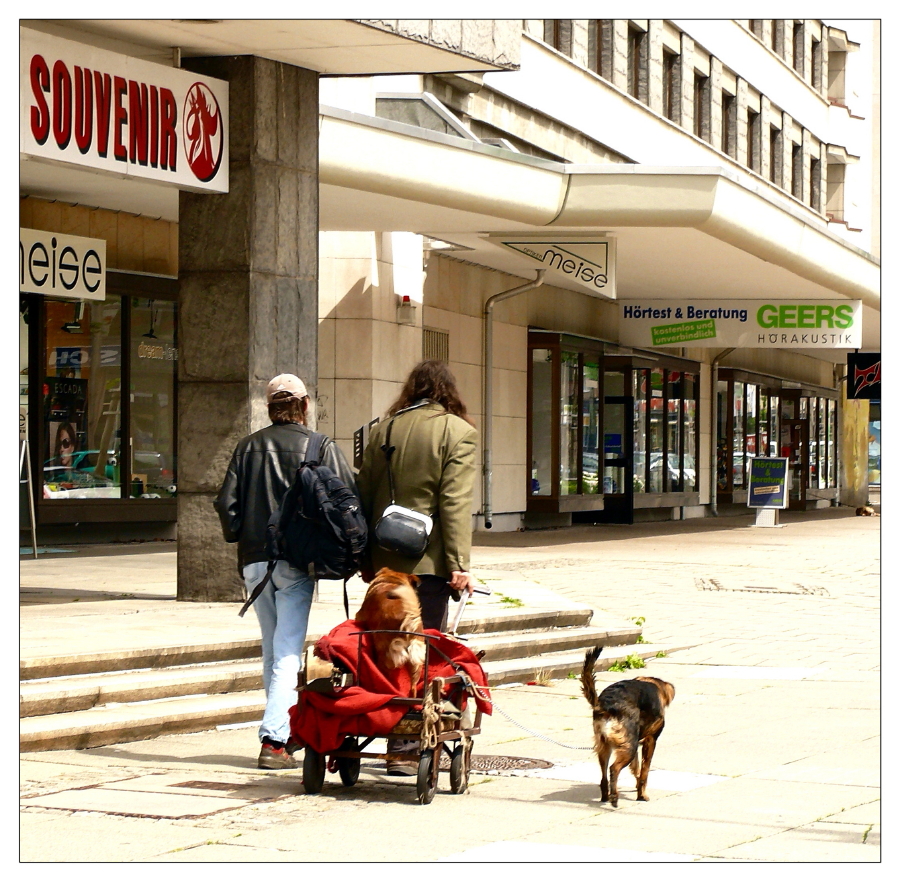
488,433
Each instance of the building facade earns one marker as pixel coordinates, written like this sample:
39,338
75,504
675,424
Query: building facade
495,194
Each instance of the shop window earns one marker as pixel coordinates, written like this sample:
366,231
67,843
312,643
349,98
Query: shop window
542,416
568,425
822,460
641,409
591,426
102,386
154,354
82,399
738,437
656,432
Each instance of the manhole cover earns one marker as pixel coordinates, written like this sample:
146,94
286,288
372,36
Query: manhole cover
796,588
500,763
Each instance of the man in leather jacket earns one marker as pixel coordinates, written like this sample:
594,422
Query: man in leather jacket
261,470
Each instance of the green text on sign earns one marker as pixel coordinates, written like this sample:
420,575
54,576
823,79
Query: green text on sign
669,335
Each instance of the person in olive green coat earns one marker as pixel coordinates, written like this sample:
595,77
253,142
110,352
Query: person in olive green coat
434,474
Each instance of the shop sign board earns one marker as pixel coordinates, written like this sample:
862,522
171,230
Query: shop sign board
745,324
589,263
864,375
71,267
768,487
112,113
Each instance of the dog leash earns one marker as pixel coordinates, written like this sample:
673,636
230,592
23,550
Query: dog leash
525,728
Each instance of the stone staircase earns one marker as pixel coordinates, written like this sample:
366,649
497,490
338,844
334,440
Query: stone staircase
88,700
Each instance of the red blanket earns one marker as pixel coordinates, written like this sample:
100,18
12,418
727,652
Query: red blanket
322,721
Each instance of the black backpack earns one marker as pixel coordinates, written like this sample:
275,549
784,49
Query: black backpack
318,528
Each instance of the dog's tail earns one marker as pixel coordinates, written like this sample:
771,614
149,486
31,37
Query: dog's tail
588,687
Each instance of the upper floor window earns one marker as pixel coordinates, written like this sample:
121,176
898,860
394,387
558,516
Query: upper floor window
775,155
799,48
816,57
671,86
753,132
837,68
729,124
797,171
815,185
701,105
637,63
834,195
600,47
558,33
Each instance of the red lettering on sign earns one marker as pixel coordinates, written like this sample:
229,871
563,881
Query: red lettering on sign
40,83
62,105
120,118
137,116
84,109
103,90
168,140
154,126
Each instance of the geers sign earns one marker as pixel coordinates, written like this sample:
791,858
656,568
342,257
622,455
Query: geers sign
117,114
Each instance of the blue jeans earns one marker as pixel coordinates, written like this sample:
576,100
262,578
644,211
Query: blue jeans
283,613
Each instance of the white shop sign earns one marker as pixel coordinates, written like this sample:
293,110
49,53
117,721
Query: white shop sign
590,263
112,113
72,267
744,324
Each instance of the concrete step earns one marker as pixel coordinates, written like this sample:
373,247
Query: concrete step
137,721
118,723
535,643
560,665
78,693
497,620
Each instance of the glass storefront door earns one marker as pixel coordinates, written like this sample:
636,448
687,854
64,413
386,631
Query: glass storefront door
618,458
795,446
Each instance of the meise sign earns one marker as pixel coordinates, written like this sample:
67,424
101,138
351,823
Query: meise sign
113,113
748,324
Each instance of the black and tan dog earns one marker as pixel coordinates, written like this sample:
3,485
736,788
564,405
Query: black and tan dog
627,714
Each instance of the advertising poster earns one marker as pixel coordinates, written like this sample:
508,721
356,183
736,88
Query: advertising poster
768,484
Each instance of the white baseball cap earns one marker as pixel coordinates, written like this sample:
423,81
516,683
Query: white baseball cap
285,383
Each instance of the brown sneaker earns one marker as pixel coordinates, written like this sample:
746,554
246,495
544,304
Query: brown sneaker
409,767
274,758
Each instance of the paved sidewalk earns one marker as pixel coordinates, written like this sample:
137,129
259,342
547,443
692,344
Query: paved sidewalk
771,750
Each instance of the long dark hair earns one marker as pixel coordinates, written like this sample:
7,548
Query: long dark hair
433,380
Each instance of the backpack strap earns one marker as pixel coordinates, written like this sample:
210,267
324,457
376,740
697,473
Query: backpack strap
259,588
315,446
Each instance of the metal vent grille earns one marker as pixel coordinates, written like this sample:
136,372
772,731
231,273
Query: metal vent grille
435,344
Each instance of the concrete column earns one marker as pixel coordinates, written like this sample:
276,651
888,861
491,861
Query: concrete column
249,302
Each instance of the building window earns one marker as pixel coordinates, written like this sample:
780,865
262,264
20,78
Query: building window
671,86
837,70
637,63
775,155
558,34
729,124
815,185
777,36
701,105
799,46
797,171
600,47
756,27
834,195
753,145
816,56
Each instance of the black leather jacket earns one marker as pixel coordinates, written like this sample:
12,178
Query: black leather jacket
261,470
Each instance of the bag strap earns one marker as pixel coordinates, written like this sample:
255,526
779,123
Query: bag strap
259,588
388,450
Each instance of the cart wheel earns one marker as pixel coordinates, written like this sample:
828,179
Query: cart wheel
313,771
426,780
348,766
459,768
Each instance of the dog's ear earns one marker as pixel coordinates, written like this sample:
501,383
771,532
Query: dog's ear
414,580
